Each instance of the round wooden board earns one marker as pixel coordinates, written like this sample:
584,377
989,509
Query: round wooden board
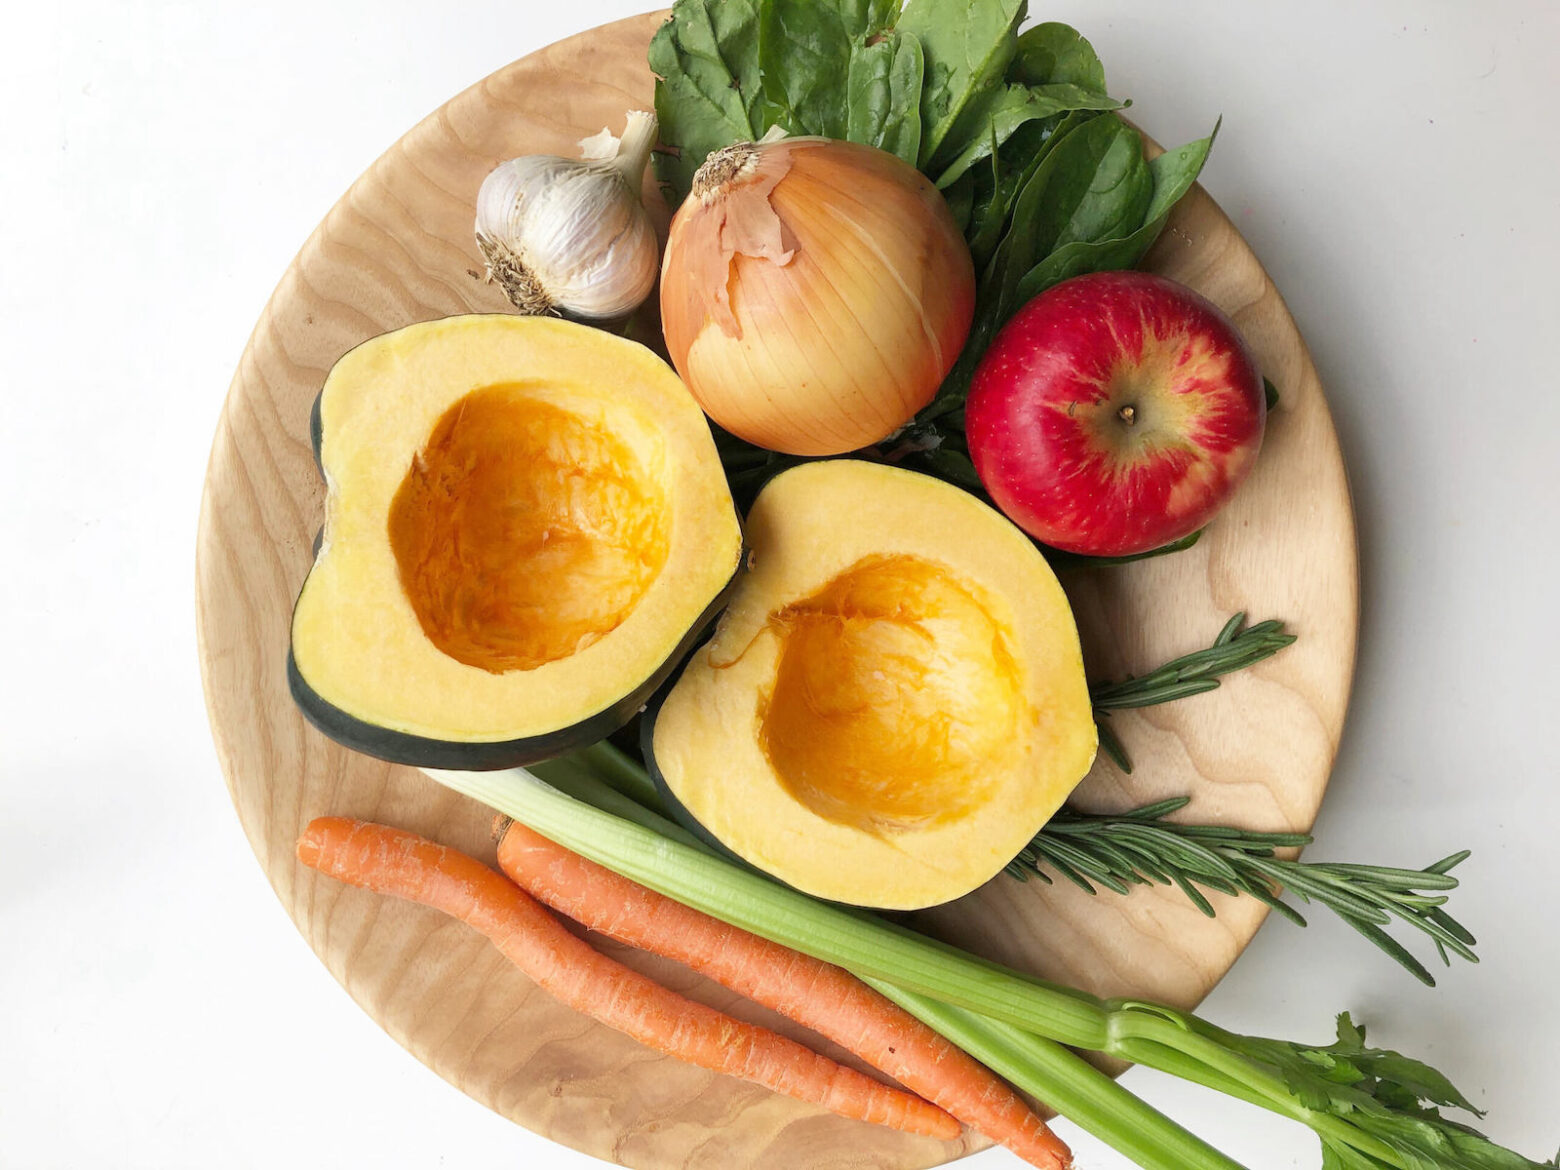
397,249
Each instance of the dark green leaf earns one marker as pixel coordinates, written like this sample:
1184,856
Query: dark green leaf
1094,184
1387,1066
1054,73
1005,109
967,46
988,208
1270,392
1231,628
1456,929
1446,864
804,54
1396,950
1351,1037
882,95
1056,556
708,94
1424,1140
1053,52
948,463
1174,172
1010,169
808,48
960,199
731,69
863,18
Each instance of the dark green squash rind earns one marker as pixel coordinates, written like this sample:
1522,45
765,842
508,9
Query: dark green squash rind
678,810
317,435
400,747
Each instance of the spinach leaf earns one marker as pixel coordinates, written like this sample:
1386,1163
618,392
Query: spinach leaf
731,69
990,191
1094,185
883,92
1008,108
863,18
967,45
808,48
1060,69
1054,71
804,52
709,94
1009,171
1173,173
1053,53
960,197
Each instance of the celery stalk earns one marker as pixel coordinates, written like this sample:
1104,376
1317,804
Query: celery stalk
1041,1067
1379,1112
618,771
861,944
1071,1086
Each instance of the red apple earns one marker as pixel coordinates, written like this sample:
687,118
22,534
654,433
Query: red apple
1115,413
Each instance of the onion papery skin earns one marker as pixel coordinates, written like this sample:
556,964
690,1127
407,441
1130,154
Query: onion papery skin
814,300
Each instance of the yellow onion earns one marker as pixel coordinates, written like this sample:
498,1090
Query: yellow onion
814,293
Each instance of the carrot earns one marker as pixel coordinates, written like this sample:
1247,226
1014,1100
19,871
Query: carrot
818,995
404,865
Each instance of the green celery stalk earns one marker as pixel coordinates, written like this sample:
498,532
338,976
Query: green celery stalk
617,770
600,776
1015,1023
866,946
919,973
1071,1086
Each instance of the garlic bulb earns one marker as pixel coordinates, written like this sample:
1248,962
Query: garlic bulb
571,235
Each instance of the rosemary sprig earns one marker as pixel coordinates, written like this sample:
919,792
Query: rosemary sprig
1237,647
1140,847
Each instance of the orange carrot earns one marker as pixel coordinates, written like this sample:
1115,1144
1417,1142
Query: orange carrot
818,995
404,865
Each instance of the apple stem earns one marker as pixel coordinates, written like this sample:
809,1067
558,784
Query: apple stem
1127,414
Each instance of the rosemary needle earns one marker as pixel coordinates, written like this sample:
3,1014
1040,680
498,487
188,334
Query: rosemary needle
1141,847
1237,647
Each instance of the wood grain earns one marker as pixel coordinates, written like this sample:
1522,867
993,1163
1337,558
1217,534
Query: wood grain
397,249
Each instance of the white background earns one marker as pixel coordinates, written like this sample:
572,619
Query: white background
1394,165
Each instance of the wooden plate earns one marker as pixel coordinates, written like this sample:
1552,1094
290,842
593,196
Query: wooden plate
397,249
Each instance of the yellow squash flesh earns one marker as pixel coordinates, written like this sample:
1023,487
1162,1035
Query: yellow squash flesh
894,701
525,519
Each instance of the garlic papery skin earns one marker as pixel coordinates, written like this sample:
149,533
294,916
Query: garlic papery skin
572,236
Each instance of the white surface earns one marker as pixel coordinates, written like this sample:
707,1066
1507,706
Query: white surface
1392,163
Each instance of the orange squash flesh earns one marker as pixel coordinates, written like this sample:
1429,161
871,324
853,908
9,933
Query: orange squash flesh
523,533
894,691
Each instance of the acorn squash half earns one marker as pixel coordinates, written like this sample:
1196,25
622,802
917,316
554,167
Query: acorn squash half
526,527
894,701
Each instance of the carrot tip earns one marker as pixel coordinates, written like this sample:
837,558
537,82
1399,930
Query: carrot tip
312,841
